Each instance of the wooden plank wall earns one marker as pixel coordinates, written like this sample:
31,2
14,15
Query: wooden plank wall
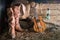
54,12
41,9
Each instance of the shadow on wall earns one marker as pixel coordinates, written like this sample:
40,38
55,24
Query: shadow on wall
45,1
3,14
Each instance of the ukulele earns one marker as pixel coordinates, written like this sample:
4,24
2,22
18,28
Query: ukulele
42,25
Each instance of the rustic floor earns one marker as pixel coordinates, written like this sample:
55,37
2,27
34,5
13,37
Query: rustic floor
52,33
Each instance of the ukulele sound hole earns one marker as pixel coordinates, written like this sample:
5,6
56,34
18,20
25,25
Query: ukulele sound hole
39,25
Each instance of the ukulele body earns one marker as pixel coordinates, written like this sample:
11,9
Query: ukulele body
39,26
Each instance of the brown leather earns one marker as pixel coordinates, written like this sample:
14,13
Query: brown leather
18,28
